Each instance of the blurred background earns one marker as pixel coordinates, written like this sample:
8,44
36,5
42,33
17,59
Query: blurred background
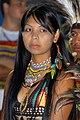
1,17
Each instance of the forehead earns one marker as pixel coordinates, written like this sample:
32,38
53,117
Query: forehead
32,20
19,0
76,30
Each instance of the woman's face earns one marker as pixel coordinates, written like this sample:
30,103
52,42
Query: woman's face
37,39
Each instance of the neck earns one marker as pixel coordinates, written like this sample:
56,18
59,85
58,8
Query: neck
9,25
40,58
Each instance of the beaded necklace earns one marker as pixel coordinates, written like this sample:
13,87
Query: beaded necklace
34,71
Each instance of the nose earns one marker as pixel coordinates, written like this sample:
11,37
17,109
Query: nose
35,35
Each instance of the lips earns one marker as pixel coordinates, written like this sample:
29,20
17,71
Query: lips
77,50
35,45
76,47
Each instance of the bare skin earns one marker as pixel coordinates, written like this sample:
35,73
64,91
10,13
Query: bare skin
76,42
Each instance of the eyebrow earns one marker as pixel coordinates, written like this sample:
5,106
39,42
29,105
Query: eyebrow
21,0
31,26
73,31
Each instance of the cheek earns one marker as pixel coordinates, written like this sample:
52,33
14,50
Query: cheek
25,41
47,43
73,40
26,44
17,12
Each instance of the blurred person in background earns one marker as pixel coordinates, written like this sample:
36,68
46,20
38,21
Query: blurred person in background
12,11
73,41
74,49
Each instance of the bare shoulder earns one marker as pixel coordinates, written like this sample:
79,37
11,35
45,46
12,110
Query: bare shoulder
64,82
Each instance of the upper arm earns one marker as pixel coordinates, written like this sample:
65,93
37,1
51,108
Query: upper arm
64,84
61,105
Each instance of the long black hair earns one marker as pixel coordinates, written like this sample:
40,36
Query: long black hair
48,15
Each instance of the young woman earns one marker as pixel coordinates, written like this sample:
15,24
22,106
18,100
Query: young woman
40,88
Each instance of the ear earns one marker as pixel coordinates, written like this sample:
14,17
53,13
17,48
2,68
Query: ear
6,8
56,36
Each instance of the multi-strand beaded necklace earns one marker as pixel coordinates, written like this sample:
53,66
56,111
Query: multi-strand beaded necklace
34,71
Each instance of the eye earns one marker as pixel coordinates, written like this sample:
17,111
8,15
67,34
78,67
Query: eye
73,34
43,30
18,3
27,29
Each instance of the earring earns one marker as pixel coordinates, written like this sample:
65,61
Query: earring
58,61
55,41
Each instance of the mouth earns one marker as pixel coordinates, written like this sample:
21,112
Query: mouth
76,47
35,45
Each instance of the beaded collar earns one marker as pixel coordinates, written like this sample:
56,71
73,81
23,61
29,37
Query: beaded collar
34,71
